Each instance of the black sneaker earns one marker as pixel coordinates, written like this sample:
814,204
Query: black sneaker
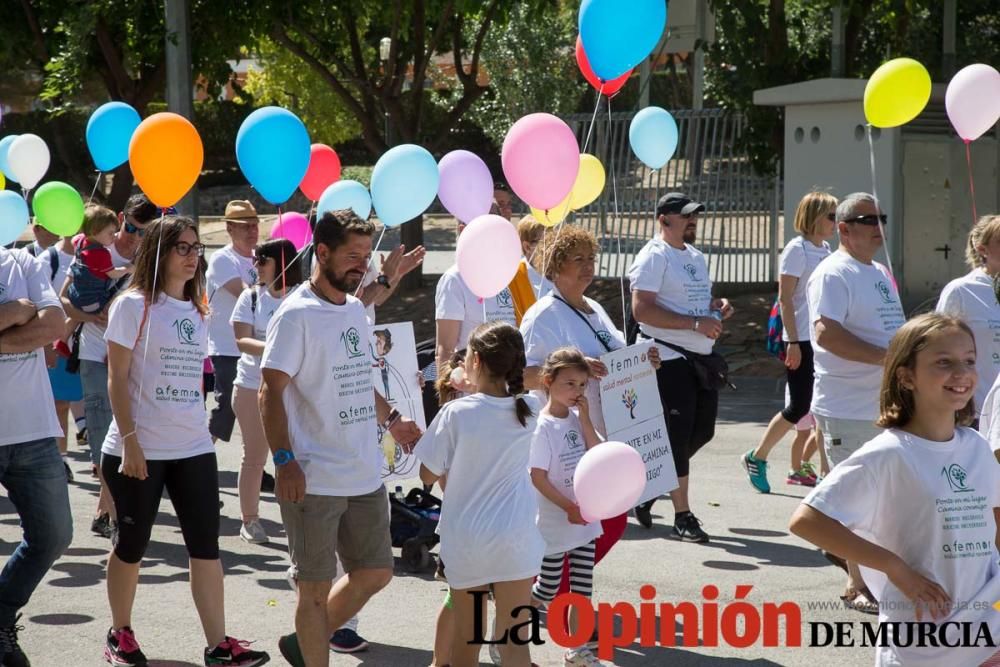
290,651
687,528
81,437
267,482
69,473
122,650
102,525
346,640
11,654
235,652
643,515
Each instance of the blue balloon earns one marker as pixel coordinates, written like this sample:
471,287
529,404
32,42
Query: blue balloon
404,184
345,194
272,148
618,35
4,147
13,216
109,132
653,136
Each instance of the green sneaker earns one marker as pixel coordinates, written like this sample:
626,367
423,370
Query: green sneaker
756,471
290,651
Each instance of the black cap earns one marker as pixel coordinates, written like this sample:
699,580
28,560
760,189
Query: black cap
677,203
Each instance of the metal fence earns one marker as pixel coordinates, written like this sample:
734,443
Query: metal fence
740,230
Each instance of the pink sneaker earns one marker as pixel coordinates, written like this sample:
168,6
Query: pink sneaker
800,478
122,650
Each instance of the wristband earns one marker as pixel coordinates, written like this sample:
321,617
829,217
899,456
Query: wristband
391,420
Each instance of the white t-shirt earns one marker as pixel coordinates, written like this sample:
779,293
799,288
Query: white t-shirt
330,400
863,299
225,265
167,358
248,367
550,324
93,347
989,415
682,285
557,447
539,283
27,410
799,259
931,504
453,300
972,299
487,527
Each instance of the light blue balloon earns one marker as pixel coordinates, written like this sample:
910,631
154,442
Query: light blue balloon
404,184
4,147
13,216
109,132
618,35
272,148
345,194
653,136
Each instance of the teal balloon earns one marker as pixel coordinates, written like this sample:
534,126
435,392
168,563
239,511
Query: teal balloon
273,151
404,184
4,147
13,216
109,131
653,136
343,195
617,35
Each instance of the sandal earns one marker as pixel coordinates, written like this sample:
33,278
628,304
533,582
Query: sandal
860,600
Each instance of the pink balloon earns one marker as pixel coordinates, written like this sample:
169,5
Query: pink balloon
294,227
541,160
488,254
973,100
609,480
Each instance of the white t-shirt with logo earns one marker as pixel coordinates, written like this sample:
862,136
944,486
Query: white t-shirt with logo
540,285
972,299
93,347
27,409
453,300
931,504
550,324
557,448
248,367
863,299
167,357
330,400
799,259
225,265
682,285
488,519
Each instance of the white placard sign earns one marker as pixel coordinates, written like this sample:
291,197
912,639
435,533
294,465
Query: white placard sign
394,370
633,414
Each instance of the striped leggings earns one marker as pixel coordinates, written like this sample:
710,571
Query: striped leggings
581,573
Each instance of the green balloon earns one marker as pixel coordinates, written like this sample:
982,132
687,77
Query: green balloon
58,208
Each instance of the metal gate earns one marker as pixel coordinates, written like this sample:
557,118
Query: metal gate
739,231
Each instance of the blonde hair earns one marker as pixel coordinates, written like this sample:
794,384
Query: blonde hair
810,208
442,385
562,359
96,219
896,405
529,229
556,249
984,231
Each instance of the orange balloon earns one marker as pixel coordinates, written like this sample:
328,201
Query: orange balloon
166,157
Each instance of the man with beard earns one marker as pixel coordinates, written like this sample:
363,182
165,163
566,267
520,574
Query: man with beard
673,304
319,409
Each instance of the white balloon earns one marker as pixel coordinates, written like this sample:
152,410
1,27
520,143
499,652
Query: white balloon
28,159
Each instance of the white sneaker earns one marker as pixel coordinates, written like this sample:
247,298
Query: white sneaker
253,532
581,658
495,648
290,577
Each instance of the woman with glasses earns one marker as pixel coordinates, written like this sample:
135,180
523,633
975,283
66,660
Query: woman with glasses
158,439
815,220
279,272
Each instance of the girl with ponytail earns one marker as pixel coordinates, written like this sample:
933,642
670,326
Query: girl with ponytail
488,534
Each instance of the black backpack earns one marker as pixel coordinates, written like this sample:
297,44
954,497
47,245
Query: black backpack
53,258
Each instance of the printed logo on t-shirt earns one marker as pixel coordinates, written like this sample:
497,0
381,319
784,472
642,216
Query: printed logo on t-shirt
253,276
630,399
352,343
884,292
504,298
692,272
3,288
956,476
572,438
604,337
186,331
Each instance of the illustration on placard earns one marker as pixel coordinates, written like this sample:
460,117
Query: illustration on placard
395,375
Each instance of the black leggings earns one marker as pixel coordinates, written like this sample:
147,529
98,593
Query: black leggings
800,386
193,485
690,411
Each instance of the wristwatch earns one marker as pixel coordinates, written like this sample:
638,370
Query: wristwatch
383,280
283,456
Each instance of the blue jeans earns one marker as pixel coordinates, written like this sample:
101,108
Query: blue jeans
96,405
35,479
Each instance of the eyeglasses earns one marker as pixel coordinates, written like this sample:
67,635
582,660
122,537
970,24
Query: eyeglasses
184,249
133,229
869,220
261,259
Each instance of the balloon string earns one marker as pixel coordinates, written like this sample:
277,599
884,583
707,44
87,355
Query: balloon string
371,260
149,321
614,221
593,119
972,185
94,191
282,259
878,206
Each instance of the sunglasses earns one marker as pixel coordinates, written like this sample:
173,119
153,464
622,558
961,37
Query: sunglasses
133,229
869,220
261,259
184,249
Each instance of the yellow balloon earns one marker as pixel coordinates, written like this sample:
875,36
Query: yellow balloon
897,92
589,182
554,215
3,181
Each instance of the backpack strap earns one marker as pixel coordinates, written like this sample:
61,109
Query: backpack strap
253,300
53,254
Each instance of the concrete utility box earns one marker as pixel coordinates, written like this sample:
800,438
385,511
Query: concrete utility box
920,172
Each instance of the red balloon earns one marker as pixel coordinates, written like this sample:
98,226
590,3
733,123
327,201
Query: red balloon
323,171
610,87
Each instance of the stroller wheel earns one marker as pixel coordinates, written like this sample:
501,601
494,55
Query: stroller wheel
416,555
